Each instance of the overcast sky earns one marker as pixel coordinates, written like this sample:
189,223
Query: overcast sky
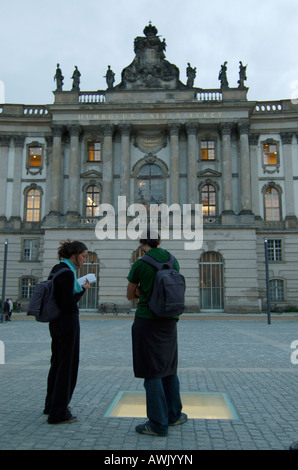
37,34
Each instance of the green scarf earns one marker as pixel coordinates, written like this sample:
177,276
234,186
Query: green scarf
76,286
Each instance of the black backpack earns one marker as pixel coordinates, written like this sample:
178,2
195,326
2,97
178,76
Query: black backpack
43,305
167,298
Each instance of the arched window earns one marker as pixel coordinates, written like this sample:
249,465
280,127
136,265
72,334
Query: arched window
150,185
208,198
90,299
211,281
33,205
272,204
92,200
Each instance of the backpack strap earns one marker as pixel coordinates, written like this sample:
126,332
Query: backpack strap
159,265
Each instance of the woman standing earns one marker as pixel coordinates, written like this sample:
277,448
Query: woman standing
65,333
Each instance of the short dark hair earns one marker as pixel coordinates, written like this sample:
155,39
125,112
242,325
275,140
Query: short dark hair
150,238
69,248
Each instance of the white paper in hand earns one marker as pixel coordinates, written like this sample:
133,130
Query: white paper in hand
91,278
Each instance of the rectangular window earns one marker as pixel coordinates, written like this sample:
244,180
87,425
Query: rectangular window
276,290
27,287
274,250
94,152
35,157
30,250
207,150
270,154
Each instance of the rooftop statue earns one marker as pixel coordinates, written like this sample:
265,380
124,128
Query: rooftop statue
76,79
191,75
242,75
110,77
150,69
224,85
59,78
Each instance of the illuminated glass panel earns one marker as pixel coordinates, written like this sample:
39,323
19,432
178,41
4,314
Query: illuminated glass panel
94,152
92,200
207,150
35,156
33,205
270,154
208,200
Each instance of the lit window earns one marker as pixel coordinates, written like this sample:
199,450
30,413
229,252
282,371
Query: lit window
208,200
92,200
207,150
30,250
270,154
35,157
33,203
150,185
274,250
94,152
272,204
27,287
276,290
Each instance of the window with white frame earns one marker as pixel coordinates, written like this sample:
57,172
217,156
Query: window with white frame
274,250
30,250
276,290
27,287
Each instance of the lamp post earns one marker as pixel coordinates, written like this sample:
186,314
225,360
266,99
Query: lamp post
4,279
267,281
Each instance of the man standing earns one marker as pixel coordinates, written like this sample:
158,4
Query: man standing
154,342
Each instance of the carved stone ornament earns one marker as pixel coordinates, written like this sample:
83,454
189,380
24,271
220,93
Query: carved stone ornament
150,69
150,143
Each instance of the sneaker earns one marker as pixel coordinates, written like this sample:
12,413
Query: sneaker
146,429
70,419
181,420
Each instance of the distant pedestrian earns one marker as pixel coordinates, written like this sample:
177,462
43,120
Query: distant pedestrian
65,334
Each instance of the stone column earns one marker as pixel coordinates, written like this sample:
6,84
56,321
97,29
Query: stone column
4,149
174,163
17,176
107,165
191,130
73,207
125,162
290,217
227,200
245,182
56,170
254,159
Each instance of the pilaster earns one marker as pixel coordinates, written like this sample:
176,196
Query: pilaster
107,167
192,129
174,163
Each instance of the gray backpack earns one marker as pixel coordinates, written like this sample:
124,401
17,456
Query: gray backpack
43,305
167,298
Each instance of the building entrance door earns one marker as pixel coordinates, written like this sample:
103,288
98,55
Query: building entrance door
211,281
89,301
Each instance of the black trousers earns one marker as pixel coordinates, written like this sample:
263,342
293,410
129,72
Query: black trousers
62,377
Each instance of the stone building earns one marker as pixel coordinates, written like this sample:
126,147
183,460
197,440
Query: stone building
154,139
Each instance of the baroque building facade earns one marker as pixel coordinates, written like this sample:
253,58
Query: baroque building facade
154,139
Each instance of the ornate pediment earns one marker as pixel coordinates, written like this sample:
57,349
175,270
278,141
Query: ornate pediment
209,173
150,69
150,142
91,174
